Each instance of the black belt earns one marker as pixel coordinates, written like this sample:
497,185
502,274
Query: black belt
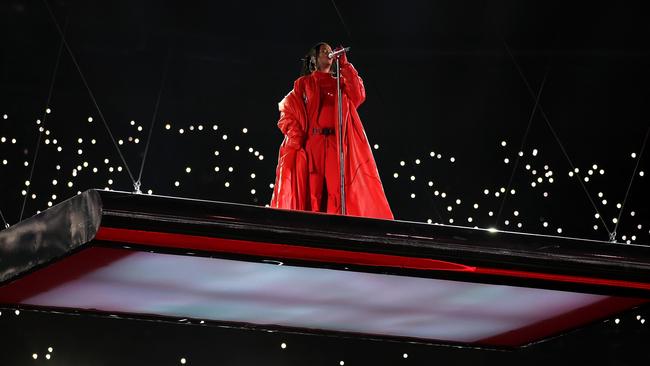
323,131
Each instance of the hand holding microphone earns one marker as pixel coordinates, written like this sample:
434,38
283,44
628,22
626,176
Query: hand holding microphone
340,52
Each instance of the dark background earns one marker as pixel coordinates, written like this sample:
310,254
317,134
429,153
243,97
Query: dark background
454,78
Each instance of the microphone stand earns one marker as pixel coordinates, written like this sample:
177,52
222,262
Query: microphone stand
340,123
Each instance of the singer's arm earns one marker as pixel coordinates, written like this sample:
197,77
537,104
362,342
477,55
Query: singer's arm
353,84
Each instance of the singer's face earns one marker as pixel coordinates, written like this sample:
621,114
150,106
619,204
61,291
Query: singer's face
324,62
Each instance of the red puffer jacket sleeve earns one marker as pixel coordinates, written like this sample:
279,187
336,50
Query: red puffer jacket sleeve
353,84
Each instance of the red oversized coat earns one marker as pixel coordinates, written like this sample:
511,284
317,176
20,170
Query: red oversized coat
364,194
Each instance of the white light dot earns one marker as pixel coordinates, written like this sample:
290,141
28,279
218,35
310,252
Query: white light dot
559,230
225,137
570,174
604,202
181,131
188,170
534,152
177,183
436,193
633,155
283,345
458,201
516,213
602,171
545,224
430,184
244,130
139,128
395,175
490,213
641,173
227,184
376,146
230,169
443,195
614,220
47,110
412,195
237,148
402,163
183,361
261,157
506,160
341,363
617,320
252,191
503,143
412,177
121,142
54,182
475,205
271,185
452,159
405,355
512,191
34,356
632,213
469,219
486,191
595,227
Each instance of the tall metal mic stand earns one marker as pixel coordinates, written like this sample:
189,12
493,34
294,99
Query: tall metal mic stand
340,117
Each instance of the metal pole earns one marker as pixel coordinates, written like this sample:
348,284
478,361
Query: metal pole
340,116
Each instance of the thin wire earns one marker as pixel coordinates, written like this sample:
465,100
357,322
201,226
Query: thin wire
42,127
92,96
521,147
153,120
6,224
342,21
627,192
548,123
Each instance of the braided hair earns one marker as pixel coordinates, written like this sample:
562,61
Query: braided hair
310,61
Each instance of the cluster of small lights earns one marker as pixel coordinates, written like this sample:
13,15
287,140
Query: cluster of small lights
541,177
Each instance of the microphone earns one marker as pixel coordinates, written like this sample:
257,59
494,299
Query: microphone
337,52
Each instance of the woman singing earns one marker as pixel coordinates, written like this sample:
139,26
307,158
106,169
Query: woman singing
308,173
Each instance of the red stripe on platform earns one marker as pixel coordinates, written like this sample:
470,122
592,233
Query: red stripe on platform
286,251
273,251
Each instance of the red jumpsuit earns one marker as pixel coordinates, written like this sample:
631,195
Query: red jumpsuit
308,175
322,152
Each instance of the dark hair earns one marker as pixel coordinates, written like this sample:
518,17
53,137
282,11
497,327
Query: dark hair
309,62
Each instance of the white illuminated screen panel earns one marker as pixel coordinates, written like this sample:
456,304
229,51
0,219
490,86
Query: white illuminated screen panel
336,300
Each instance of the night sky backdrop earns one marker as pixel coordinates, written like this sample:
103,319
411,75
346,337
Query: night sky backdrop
451,115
